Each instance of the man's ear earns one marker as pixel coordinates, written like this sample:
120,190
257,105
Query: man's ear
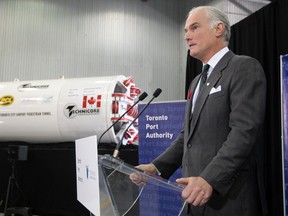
219,29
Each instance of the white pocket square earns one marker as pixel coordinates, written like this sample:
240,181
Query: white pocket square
214,90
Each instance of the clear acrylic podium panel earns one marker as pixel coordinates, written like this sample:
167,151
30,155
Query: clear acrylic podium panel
120,196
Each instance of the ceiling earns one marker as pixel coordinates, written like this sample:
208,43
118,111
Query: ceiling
239,9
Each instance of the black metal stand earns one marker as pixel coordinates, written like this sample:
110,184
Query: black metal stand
12,185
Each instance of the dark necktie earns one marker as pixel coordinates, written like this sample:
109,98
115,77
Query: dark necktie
203,79
204,75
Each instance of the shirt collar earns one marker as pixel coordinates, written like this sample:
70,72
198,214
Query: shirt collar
216,58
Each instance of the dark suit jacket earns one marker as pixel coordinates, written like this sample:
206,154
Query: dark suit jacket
222,145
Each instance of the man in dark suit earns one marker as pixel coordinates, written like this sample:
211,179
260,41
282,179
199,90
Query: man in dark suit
218,148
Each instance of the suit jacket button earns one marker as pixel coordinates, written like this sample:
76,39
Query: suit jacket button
189,145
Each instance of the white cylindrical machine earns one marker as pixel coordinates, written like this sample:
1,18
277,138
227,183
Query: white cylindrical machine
49,111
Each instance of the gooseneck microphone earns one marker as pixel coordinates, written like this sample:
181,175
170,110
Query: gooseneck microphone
156,93
140,98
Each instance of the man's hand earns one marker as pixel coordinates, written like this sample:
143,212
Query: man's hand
148,168
139,178
197,192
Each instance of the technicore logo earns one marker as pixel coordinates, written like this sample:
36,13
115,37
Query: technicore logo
29,86
71,111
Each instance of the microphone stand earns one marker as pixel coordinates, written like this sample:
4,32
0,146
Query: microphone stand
155,94
141,97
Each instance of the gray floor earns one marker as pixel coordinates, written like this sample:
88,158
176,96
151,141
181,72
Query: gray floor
2,214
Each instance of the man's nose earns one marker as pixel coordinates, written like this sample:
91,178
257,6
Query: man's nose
186,36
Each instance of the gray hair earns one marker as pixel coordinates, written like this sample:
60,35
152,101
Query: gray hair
216,16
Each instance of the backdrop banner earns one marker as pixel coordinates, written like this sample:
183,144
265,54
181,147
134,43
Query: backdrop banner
284,107
159,125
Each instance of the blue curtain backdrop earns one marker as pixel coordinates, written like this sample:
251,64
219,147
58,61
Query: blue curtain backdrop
284,61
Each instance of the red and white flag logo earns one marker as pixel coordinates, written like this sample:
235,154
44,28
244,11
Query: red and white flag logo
91,101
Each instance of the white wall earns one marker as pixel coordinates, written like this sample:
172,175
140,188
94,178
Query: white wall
44,39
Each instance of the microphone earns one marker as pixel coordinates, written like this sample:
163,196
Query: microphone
156,93
140,98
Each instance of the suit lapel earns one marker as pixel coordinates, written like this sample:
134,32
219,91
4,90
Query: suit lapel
203,95
189,101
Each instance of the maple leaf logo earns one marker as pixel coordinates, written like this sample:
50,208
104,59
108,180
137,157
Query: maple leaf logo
91,101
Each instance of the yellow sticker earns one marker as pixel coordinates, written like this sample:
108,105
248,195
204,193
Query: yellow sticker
6,100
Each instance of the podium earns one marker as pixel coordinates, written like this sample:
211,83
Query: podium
112,192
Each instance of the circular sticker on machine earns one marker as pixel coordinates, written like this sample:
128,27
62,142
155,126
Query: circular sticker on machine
69,110
6,100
